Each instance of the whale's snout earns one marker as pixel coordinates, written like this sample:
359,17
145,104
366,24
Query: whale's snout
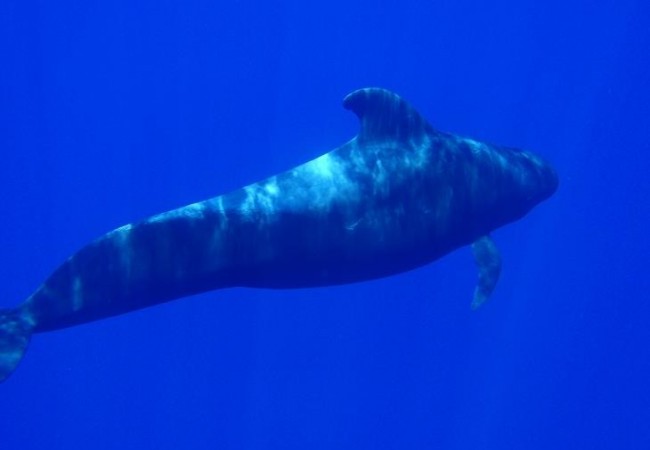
541,178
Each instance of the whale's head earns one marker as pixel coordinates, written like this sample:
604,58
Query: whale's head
532,180
505,183
539,179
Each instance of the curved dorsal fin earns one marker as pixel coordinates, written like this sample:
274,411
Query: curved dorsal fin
384,115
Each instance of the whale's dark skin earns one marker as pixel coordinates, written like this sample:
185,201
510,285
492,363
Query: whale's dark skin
397,196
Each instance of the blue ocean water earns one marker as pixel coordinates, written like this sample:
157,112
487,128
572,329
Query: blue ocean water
113,111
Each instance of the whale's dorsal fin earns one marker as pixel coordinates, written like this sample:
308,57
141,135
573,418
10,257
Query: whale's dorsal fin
384,115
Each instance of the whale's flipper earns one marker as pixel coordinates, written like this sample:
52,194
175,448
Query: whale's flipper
488,261
15,332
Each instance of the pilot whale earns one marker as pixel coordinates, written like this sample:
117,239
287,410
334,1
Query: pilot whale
397,196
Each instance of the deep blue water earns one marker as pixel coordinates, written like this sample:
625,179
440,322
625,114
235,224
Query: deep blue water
113,111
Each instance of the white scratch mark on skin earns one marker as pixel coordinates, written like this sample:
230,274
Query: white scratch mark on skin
271,187
481,150
421,155
123,229
326,180
77,294
324,167
123,241
220,226
352,226
220,208
193,211
248,205
475,146
261,199
216,205
381,180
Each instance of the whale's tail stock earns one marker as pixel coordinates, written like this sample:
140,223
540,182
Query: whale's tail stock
15,332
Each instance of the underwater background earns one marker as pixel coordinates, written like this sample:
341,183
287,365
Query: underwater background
113,111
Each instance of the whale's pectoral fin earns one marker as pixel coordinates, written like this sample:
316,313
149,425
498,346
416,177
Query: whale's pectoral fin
15,332
488,261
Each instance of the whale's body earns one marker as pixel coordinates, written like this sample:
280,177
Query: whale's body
397,196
